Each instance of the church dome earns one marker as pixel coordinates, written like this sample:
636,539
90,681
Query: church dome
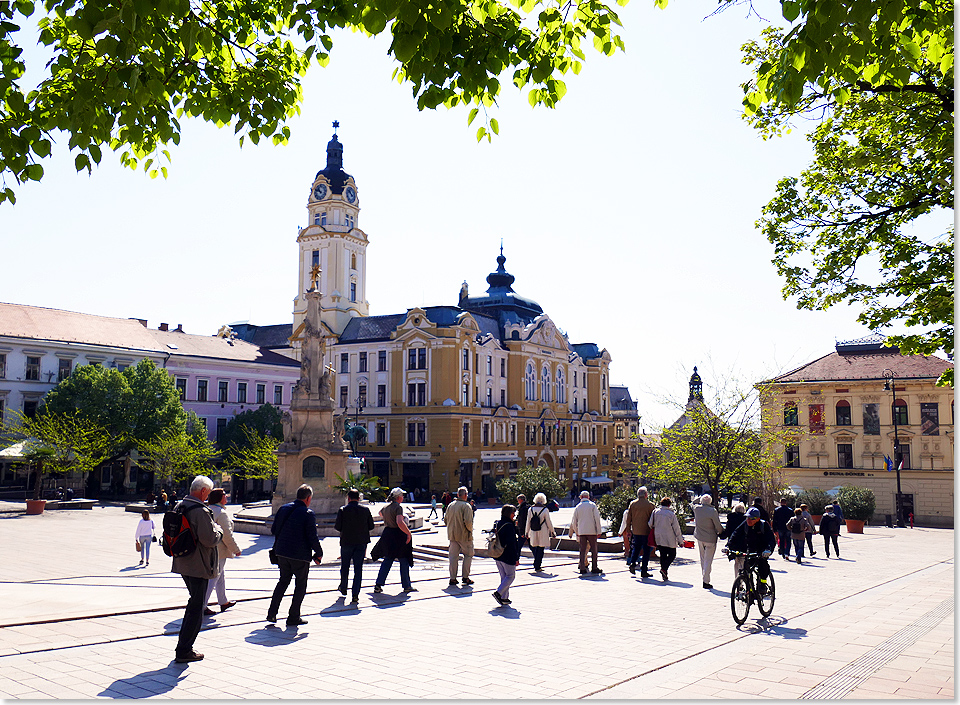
334,173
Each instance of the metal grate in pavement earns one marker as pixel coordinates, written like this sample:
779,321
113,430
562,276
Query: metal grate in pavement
853,674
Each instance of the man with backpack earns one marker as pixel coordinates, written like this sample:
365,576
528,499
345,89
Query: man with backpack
196,565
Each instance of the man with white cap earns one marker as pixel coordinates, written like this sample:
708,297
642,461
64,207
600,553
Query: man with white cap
706,529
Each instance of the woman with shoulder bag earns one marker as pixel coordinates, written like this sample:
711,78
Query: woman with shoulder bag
666,528
144,536
507,561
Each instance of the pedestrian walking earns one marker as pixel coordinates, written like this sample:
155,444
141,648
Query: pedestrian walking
433,507
706,530
838,511
638,514
228,548
144,536
397,543
798,526
758,504
667,534
830,529
460,534
734,520
624,534
507,561
522,509
539,529
197,567
809,517
781,515
585,524
294,545
354,522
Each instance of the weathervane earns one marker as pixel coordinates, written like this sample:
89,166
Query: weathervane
336,124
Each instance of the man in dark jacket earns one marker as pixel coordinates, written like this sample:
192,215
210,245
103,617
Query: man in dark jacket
522,510
758,503
781,515
354,522
295,528
830,529
198,567
754,535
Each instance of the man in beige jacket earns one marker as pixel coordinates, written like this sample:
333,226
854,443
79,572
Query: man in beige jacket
459,520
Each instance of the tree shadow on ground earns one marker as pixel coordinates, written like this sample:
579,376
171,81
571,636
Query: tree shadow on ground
146,685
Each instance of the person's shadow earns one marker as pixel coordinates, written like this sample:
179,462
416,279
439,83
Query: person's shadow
160,681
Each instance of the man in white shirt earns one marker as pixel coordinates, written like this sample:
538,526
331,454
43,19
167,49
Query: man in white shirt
585,524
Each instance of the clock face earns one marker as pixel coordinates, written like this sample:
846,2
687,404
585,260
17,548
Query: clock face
350,194
320,192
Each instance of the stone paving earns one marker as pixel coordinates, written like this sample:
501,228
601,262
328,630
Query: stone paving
82,620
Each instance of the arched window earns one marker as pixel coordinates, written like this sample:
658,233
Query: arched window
561,388
900,416
545,384
530,383
576,404
843,413
353,260
313,467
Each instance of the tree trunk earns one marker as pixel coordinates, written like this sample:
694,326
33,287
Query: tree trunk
37,482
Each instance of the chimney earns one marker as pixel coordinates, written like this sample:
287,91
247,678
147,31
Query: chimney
179,328
164,326
141,321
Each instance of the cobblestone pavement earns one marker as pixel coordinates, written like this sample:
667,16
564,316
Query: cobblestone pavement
82,620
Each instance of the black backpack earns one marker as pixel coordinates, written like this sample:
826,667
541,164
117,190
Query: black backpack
535,523
178,538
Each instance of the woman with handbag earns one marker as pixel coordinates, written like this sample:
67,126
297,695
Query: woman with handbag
507,562
144,536
666,529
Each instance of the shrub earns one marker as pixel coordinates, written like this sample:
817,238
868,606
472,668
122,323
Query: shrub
528,481
815,500
613,505
857,502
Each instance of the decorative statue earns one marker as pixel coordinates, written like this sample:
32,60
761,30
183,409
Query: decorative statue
353,434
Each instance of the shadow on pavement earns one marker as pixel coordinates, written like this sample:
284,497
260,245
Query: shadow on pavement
261,543
147,684
340,608
272,635
505,611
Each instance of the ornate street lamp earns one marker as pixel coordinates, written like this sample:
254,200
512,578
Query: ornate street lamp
891,385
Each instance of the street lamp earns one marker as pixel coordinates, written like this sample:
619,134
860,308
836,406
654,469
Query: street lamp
891,385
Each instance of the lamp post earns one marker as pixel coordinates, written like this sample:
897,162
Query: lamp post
891,385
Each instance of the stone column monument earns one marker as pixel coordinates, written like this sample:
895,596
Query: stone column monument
313,450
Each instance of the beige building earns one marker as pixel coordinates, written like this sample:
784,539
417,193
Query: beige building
841,412
450,395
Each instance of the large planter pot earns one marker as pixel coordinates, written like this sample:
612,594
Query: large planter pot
855,526
816,519
35,506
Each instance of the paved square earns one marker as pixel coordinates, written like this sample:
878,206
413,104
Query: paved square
82,620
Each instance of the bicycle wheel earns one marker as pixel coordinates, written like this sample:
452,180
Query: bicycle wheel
740,600
765,601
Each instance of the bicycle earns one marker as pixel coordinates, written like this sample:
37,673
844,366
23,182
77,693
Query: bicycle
746,589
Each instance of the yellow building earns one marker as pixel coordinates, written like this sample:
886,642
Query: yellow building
450,395
846,419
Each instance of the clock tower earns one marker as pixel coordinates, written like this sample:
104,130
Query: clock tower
332,248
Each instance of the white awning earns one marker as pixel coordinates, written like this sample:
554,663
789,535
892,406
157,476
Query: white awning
602,480
15,452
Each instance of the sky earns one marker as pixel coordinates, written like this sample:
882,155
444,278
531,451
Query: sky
627,213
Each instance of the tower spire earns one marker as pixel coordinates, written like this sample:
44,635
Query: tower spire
696,387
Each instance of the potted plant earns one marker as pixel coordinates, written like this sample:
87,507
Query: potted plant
816,500
858,504
37,456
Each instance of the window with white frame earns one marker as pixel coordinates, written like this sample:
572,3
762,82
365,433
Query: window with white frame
530,383
561,387
545,384
33,369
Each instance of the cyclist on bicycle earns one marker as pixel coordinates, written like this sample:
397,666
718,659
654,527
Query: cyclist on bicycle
754,535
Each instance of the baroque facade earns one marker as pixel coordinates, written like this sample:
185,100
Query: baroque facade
841,413
450,395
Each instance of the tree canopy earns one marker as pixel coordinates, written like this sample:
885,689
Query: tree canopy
178,452
528,481
870,221
133,406
124,72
